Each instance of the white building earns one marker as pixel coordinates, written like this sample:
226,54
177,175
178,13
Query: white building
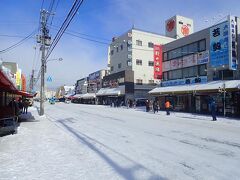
134,51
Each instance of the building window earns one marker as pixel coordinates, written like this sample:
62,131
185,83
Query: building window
202,45
193,48
202,70
129,63
165,76
112,51
151,82
150,63
176,74
139,81
150,45
138,42
121,47
119,65
165,56
112,68
190,72
139,62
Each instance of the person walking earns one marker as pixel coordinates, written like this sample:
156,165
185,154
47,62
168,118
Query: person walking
25,106
167,107
155,106
147,105
213,110
20,105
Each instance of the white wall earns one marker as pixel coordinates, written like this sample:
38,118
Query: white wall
121,56
145,72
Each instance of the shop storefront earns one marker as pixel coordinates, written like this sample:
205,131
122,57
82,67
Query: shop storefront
195,98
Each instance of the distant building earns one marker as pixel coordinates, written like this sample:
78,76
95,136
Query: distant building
64,91
131,64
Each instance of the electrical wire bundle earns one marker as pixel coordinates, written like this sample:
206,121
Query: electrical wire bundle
68,19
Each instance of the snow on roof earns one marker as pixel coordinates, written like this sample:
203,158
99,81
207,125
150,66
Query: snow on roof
89,96
214,85
111,91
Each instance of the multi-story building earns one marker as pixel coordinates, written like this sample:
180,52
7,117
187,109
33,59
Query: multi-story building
95,80
201,67
131,55
81,87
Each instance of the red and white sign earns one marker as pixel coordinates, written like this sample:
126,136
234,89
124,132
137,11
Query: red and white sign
176,64
157,50
185,30
190,60
170,25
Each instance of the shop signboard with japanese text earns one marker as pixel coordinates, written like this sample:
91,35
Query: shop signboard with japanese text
203,57
157,61
190,60
223,45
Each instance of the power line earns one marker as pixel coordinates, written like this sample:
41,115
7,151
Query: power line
64,26
18,43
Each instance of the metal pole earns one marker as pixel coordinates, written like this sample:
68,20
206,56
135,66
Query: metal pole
224,99
43,61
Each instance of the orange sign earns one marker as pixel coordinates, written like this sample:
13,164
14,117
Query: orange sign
185,30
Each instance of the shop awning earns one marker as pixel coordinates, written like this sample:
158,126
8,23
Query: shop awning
210,86
5,83
77,95
118,91
89,96
25,94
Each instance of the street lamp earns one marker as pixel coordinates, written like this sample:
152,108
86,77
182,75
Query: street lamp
57,59
223,90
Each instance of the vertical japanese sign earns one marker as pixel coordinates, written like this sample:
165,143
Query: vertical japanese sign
157,61
223,45
219,45
233,43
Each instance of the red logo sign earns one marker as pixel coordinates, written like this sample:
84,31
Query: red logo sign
185,30
170,25
157,61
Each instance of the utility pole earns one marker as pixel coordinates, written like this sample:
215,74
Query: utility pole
44,40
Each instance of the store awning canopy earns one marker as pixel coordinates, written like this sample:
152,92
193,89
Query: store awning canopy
5,83
77,95
210,86
25,94
89,96
118,91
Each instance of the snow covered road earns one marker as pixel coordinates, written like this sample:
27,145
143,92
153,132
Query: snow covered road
78,141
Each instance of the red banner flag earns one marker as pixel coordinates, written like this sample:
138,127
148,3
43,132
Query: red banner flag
157,61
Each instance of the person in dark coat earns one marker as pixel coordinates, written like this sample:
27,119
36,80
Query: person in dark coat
20,105
147,105
155,106
25,106
213,110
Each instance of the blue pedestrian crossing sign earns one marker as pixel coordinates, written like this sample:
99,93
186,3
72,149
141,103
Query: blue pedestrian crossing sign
49,79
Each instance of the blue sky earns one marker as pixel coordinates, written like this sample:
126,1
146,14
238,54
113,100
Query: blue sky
101,19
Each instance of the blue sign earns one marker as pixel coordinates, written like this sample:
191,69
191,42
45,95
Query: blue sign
219,45
49,79
177,82
223,44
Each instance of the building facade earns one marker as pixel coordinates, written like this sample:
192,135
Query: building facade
133,52
201,67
